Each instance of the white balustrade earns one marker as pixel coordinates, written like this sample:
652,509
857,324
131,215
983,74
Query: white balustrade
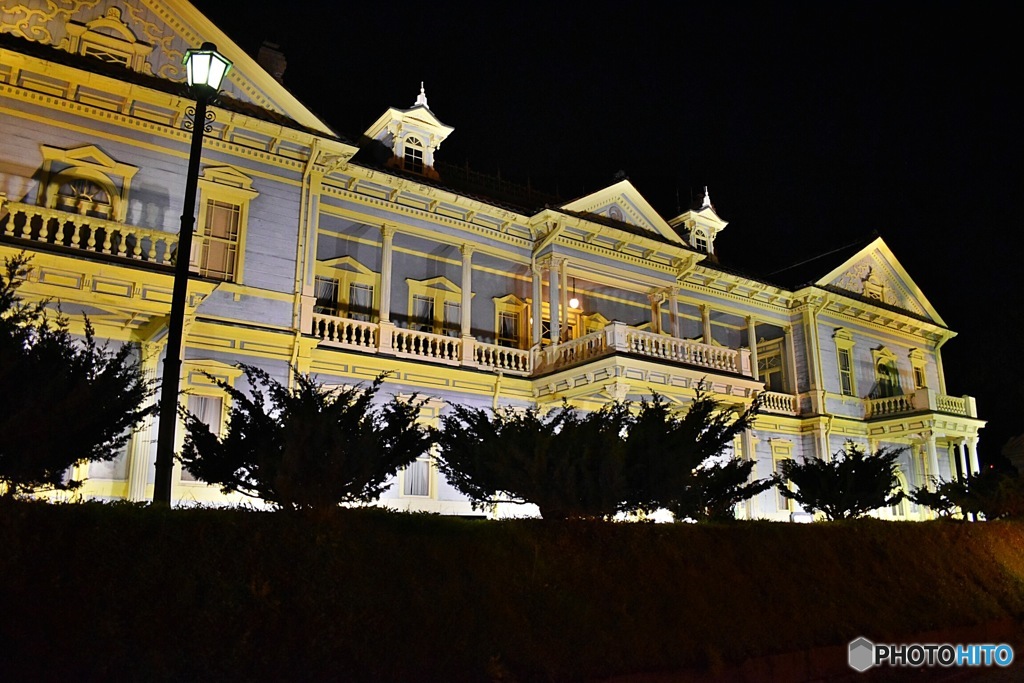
953,404
76,231
345,333
494,357
427,345
683,350
889,405
775,402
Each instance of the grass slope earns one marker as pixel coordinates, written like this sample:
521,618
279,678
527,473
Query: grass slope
95,592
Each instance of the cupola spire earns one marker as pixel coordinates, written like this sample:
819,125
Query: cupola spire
421,99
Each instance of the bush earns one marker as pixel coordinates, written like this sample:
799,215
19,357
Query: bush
307,447
599,463
852,484
65,401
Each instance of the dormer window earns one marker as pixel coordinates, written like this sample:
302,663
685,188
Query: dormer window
413,155
700,241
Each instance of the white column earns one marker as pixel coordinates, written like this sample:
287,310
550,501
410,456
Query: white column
972,451
467,288
705,319
563,299
387,234
537,309
752,343
789,373
933,457
962,457
673,311
140,448
553,299
655,302
747,443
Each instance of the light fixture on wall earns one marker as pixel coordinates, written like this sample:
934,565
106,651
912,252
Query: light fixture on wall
574,303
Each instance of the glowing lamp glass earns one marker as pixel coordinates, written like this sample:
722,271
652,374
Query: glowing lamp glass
574,303
206,67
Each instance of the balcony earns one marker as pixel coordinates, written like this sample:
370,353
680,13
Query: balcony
385,338
86,233
922,400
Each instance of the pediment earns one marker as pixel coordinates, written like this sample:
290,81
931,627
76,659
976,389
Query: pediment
151,36
874,273
347,263
440,282
622,202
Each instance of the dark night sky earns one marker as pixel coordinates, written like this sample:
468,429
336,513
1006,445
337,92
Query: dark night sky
812,123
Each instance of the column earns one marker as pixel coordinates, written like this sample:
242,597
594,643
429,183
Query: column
387,234
972,452
673,311
705,319
140,447
553,299
747,442
752,343
655,304
933,457
467,288
563,299
537,308
789,374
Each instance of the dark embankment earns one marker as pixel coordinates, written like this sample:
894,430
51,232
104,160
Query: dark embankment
94,592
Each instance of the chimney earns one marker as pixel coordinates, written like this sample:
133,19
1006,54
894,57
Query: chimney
272,59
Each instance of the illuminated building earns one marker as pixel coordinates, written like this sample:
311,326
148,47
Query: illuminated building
347,261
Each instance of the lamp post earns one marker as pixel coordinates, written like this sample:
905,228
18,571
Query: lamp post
205,69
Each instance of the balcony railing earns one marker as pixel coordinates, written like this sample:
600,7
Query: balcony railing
385,338
51,226
784,404
922,400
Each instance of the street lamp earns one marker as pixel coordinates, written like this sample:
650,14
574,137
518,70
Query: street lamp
205,68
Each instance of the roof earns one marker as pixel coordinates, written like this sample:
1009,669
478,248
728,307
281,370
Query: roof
123,73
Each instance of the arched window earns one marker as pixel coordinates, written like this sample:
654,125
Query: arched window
413,155
84,197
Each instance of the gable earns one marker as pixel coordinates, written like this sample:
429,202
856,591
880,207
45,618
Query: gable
149,36
874,273
622,202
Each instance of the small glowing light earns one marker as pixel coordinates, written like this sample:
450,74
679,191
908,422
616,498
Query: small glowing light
206,67
574,303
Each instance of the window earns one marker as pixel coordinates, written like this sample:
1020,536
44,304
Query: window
326,292
700,241
452,318
210,411
110,39
345,288
917,362
508,329
781,450
360,301
844,362
217,251
85,181
84,197
422,318
846,372
413,155
218,244
416,478
435,306
510,322
887,376
769,365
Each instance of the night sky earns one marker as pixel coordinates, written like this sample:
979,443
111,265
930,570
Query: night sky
813,124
